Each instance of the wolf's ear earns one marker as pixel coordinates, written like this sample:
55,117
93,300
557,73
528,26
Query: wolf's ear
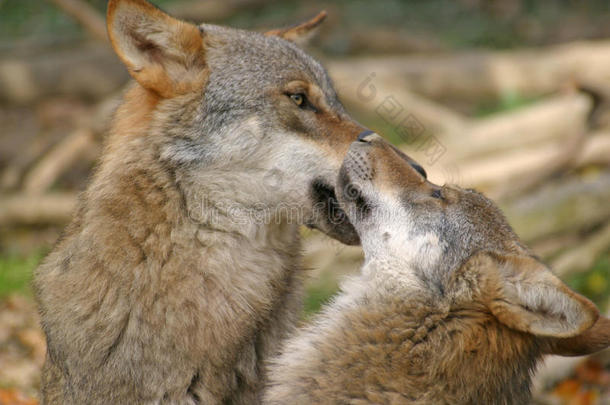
164,55
301,33
592,340
523,294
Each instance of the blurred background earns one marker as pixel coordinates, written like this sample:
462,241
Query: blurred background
509,96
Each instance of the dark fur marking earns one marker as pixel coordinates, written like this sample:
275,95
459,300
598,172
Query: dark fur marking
118,339
191,389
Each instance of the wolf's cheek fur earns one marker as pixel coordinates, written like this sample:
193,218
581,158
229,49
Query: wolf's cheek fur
253,166
256,166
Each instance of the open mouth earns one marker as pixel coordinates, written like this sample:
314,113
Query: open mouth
328,216
326,199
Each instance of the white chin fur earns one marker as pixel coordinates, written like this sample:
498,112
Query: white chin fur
394,248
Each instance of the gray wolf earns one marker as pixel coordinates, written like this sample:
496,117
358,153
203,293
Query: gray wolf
180,272
450,308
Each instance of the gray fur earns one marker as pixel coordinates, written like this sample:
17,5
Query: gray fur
159,292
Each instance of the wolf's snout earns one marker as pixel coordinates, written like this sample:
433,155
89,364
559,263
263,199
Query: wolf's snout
358,166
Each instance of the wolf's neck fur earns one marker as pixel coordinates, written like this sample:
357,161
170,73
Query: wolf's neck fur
230,292
404,263
418,349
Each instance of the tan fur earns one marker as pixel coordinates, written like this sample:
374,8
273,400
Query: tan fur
179,74
300,33
157,293
450,308
592,340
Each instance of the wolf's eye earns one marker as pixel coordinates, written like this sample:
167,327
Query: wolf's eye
298,99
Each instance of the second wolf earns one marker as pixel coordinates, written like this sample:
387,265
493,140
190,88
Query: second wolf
450,308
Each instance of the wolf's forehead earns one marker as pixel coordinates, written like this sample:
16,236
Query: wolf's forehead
268,57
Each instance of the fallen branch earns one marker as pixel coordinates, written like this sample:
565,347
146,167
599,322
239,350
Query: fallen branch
17,164
551,246
569,206
55,208
86,15
558,117
583,256
595,151
475,76
489,173
392,102
91,72
562,161
60,158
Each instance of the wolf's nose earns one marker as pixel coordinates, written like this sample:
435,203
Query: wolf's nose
362,136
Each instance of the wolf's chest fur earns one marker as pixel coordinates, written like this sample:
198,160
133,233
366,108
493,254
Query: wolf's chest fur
137,280
371,348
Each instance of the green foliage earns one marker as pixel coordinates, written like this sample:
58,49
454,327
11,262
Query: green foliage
319,293
33,19
508,101
449,24
16,273
595,283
